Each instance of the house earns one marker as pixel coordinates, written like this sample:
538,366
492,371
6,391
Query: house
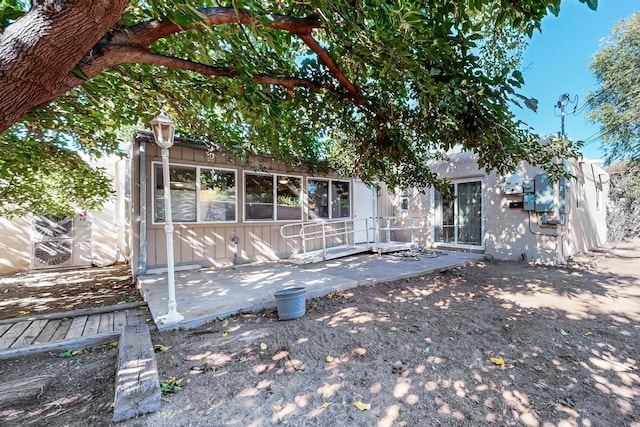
39,243
521,216
227,211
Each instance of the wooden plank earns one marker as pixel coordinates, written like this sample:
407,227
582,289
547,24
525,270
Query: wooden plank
119,320
24,388
78,343
62,330
77,327
92,325
106,323
47,332
137,381
72,313
9,337
5,328
133,317
30,334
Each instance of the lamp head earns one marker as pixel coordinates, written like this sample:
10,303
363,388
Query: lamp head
163,130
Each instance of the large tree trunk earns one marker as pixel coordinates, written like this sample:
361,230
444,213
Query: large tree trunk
39,51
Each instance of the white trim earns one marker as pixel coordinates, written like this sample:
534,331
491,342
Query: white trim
454,244
274,181
330,198
198,186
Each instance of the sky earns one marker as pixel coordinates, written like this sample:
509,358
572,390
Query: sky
557,62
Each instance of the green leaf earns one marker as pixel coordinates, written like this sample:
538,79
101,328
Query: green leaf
593,4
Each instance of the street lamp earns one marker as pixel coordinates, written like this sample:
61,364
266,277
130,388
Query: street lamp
163,131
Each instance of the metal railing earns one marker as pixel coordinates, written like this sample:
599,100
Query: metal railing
390,224
345,231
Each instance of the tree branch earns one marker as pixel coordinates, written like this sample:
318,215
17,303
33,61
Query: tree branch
333,68
145,33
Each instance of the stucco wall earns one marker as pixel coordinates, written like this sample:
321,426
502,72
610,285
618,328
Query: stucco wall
17,234
515,234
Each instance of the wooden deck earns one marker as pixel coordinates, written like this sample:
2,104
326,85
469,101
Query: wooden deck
60,330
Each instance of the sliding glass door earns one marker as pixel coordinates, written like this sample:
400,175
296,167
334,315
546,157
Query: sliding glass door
458,219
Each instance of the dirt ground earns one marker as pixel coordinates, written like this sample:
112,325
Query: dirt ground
50,292
564,342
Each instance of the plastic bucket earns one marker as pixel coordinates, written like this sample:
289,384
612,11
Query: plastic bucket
291,303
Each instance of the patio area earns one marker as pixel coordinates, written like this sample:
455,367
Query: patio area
206,294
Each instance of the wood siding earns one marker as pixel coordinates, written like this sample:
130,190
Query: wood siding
211,244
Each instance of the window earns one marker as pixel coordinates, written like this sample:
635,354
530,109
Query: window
458,220
182,182
272,197
318,199
288,198
197,194
340,199
329,199
217,195
405,201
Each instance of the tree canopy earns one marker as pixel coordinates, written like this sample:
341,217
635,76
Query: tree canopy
374,89
616,103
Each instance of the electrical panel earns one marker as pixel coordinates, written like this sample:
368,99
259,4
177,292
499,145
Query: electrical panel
544,194
513,184
528,186
529,202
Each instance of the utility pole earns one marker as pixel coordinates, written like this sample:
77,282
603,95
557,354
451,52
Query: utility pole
564,100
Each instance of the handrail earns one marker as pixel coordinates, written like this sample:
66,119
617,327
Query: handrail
346,227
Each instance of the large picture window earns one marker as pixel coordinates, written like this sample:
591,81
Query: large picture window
272,197
329,199
197,194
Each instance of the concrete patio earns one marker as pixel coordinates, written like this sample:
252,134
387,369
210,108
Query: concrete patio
207,294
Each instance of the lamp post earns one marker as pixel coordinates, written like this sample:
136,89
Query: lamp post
163,131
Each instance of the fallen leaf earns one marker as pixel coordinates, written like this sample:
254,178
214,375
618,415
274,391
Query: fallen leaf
588,333
263,346
326,405
328,359
224,334
159,347
24,312
567,402
563,332
425,350
277,407
497,361
225,323
362,406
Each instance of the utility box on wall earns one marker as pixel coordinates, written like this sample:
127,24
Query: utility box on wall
528,202
544,194
513,183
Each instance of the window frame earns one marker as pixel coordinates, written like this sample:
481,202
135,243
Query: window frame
330,200
198,168
274,180
455,183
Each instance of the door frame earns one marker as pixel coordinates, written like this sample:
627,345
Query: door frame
455,183
364,210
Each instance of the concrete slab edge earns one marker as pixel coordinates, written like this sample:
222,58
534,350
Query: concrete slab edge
196,323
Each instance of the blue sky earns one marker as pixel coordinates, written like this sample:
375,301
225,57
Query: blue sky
557,62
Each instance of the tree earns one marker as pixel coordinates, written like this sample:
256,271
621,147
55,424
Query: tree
616,103
375,89
623,211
